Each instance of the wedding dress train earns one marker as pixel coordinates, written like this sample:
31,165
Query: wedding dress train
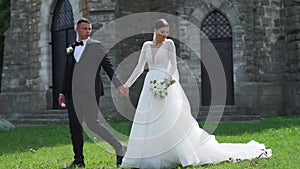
164,133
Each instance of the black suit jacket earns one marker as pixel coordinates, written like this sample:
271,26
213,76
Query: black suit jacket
105,64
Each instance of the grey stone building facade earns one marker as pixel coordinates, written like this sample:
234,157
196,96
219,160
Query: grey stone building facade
260,38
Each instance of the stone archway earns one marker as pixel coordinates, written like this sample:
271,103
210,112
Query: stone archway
218,31
63,34
46,19
231,13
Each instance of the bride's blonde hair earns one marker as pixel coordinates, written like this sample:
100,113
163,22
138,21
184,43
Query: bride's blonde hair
159,24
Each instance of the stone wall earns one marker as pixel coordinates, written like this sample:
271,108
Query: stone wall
27,66
268,56
290,15
16,61
258,54
102,12
237,13
20,78
266,49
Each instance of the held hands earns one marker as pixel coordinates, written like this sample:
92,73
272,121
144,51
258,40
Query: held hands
123,90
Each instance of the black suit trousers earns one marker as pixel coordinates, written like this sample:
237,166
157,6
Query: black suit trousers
93,124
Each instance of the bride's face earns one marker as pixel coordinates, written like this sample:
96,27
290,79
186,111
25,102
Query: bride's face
163,31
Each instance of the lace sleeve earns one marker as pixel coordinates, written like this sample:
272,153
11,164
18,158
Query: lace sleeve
172,57
138,69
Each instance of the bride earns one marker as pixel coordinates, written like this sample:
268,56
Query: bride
164,133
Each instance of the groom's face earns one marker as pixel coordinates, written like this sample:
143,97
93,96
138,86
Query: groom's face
84,31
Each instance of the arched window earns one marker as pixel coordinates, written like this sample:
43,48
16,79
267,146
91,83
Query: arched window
216,26
63,34
63,16
218,30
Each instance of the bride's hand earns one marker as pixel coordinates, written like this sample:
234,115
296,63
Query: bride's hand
123,90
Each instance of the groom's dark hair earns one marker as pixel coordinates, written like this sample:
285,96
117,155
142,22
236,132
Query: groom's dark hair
83,20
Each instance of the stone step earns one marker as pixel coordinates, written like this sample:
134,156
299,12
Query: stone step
227,111
39,118
230,113
47,121
61,116
230,118
31,122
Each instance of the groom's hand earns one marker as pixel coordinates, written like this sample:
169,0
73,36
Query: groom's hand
61,100
123,90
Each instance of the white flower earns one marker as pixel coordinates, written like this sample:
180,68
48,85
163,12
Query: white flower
69,50
159,88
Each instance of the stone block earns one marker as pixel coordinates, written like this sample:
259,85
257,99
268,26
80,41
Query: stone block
106,5
272,68
288,3
265,2
272,13
245,101
270,102
269,77
294,36
7,103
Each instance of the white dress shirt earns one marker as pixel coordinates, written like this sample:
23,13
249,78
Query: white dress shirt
79,49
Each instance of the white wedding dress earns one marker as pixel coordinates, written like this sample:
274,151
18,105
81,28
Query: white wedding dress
164,133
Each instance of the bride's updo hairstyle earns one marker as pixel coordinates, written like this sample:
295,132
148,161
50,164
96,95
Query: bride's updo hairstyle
161,23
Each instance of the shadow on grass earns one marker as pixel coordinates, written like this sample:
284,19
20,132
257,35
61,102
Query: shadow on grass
22,139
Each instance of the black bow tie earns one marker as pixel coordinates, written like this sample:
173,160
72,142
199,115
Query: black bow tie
79,43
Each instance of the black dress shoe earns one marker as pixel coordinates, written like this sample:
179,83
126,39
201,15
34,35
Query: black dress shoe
120,155
119,160
76,164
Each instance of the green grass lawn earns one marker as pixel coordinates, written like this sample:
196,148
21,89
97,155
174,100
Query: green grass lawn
50,146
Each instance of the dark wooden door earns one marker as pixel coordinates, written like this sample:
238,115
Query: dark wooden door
63,35
217,28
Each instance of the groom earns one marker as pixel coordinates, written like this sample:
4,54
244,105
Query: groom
77,51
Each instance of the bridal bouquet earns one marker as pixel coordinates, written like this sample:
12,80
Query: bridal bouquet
159,87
